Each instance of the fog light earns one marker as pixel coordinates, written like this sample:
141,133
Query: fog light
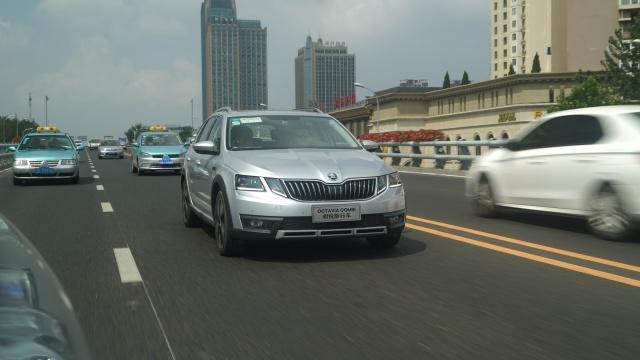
259,224
395,220
256,223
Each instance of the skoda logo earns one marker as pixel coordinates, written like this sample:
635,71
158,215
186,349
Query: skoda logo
332,176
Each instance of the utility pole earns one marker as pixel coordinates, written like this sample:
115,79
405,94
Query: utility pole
191,115
30,99
17,127
46,114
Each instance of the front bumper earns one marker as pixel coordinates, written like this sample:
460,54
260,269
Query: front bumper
112,154
57,172
155,164
281,218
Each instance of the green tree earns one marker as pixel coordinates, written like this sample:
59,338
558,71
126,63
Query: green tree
588,93
512,71
11,129
185,133
447,81
622,62
465,78
535,68
133,131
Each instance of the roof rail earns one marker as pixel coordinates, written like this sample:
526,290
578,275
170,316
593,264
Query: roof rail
224,108
313,109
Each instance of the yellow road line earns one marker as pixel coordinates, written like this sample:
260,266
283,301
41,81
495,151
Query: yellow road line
530,245
525,255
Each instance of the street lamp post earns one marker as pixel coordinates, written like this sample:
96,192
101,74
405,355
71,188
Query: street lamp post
191,115
46,110
377,103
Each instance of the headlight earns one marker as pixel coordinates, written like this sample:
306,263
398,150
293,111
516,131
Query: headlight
394,180
382,184
145,155
249,183
68,162
276,186
20,162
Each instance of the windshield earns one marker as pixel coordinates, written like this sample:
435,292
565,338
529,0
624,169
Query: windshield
110,143
287,132
46,142
160,140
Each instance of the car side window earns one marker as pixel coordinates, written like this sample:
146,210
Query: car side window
215,135
204,131
571,130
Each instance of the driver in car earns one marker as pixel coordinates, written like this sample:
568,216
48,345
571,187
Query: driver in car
241,136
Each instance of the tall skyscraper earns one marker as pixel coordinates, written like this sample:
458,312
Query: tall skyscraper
234,59
325,73
567,35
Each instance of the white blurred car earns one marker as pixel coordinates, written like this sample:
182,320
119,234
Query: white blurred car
582,162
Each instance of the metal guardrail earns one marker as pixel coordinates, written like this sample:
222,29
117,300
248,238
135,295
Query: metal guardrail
6,157
443,151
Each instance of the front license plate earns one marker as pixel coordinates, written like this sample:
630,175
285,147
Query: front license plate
166,160
43,170
322,214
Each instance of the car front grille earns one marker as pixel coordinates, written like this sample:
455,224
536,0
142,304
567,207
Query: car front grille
313,190
173,156
38,163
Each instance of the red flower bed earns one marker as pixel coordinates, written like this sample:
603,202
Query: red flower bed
404,136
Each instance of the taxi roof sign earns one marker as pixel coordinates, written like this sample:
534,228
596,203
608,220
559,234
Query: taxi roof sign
46,129
158,128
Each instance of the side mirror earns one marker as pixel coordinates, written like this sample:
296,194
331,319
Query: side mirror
206,147
12,148
370,146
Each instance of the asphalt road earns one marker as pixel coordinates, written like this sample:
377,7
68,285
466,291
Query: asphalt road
456,287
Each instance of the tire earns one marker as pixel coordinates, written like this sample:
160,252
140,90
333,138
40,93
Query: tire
483,201
227,244
134,169
189,218
607,218
388,241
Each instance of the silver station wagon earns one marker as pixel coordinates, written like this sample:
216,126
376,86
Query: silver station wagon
288,175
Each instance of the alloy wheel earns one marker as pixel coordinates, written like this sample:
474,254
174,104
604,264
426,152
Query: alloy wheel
221,221
607,217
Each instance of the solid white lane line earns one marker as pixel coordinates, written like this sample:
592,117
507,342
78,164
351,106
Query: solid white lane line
127,266
96,176
106,207
155,313
432,174
100,187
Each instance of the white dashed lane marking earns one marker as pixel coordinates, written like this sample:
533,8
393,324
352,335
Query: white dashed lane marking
106,207
93,170
100,187
96,176
127,266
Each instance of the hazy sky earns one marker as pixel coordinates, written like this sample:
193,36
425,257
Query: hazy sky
106,64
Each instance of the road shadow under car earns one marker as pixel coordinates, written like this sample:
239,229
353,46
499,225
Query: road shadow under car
57,182
322,250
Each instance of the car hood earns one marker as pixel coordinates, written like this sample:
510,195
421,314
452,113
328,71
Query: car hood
307,164
161,150
45,154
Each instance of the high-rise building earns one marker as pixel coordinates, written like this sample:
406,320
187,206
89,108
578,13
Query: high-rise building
234,59
629,10
325,74
567,35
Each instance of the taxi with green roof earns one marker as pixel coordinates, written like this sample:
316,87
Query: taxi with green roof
157,149
45,153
